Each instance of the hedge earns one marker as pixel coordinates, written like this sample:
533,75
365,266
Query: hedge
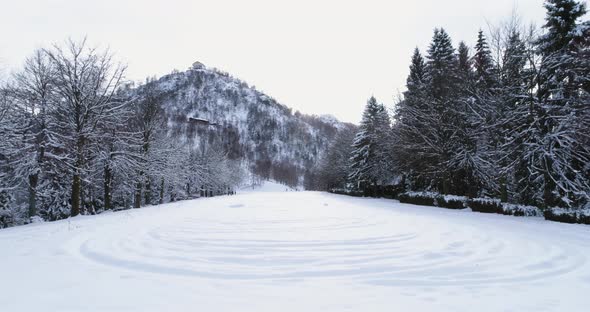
521,211
485,205
423,199
567,215
451,201
347,192
433,199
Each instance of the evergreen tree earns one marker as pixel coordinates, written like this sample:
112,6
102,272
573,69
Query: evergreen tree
412,140
483,63
560,25
441,71
370,155
471,161
415,81
560,110
464,65
334,167
513,113
441,66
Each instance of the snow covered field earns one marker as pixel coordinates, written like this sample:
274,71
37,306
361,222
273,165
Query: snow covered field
295,251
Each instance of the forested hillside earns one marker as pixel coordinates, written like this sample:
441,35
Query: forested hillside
79,139
207,107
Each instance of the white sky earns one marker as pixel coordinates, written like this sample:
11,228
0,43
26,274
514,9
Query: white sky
318,57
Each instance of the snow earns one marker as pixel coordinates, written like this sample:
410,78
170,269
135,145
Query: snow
267,186
295,251
579,212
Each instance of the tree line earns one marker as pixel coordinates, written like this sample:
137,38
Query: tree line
77,138
508,118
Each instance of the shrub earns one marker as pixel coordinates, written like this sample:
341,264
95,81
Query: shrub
486,205
389,191
521,211
418,198
568,215
451,201
347,192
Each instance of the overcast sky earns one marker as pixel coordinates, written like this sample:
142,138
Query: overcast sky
319,57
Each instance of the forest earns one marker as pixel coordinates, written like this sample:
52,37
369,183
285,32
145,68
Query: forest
507,119
78,139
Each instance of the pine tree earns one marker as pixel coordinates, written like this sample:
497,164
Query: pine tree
370,155
464,65
412,134
513,113
441,71
483,63
560,25
441,65
560,109
415,81
333,168
471,161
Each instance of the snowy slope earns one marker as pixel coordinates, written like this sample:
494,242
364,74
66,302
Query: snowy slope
206,107
267,186
295,251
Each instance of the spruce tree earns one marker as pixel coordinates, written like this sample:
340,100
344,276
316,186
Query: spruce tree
370,164
513,113
464,64
415,81
441,71
411,148
441,65
560,110
333,168
482,62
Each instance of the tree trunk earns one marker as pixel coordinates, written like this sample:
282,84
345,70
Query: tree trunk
137,196
162,191
77,180
503,190
33,181
147,195
76,195
549,185
107,187
446,186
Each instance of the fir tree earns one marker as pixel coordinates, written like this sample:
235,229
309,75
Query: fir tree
482,62
560,25
464,65
441,65
335,165
412,151
513,113
560,110
370,156
415,81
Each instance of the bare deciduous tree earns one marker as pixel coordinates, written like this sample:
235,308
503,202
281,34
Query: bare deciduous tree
86,81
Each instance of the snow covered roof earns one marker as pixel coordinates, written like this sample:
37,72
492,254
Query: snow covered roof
201,121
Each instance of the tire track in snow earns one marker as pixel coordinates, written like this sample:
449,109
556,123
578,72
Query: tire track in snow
261,241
